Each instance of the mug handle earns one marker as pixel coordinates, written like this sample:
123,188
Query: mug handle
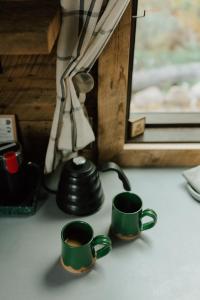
149,213
105,242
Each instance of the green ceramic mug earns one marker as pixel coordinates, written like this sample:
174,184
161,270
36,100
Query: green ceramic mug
78,247
127,216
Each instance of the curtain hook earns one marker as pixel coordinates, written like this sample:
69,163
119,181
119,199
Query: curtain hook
142,16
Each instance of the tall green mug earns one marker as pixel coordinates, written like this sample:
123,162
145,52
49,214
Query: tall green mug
127,215
78,253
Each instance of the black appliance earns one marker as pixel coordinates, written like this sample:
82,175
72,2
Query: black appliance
80,191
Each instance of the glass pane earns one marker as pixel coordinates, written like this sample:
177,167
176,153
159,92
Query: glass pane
166,75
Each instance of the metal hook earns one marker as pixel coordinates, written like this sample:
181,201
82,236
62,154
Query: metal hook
142,16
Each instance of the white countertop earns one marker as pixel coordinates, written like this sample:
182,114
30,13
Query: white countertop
163,264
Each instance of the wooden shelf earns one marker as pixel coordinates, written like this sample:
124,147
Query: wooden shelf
28,27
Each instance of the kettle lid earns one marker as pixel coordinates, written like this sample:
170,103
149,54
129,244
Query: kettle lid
79,166
79,161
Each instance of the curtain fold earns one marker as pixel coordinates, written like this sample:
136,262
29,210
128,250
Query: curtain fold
86,28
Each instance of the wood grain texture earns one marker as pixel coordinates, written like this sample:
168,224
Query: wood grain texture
41,66
158,157
112,90
27,87
28,27
31,105
28,90
34,137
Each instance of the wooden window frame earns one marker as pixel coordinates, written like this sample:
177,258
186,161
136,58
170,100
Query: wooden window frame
113,91
166,127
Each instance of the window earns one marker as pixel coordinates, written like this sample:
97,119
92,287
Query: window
114,94
166,76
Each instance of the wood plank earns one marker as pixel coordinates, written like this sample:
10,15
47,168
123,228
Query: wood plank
28,86
34,137
29,91
42,66
154,156
28,27
112,90
30,105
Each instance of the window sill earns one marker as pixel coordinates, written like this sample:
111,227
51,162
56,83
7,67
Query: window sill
159,155
162,146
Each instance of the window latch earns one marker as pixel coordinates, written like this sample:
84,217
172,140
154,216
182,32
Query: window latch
142,16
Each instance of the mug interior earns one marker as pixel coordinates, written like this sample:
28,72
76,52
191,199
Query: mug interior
77,234
127,202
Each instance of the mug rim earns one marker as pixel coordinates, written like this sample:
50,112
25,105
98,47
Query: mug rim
127,193
77,222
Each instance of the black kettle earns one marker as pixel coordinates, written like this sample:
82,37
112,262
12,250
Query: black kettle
79,191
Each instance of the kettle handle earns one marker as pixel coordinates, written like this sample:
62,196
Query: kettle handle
111,166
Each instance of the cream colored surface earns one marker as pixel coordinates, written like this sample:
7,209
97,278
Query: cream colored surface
162,264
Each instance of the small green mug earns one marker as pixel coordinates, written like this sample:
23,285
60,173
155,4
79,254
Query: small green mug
127,216
78,247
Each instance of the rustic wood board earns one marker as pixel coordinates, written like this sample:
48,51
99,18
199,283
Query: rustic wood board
41,66
31,105
112,90
28,27
28,90
159,155
34,137
28,86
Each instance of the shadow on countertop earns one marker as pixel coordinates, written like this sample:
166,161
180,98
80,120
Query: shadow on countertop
56,276
142,241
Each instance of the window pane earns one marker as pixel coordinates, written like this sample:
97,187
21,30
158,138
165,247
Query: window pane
166,75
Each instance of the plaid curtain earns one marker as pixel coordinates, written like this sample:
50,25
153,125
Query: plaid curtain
86,28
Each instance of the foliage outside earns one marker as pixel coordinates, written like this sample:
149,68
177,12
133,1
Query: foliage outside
169,35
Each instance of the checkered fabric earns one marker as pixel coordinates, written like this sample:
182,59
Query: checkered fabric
86,28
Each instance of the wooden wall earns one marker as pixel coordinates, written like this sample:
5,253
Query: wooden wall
28,80
29,28
27,89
